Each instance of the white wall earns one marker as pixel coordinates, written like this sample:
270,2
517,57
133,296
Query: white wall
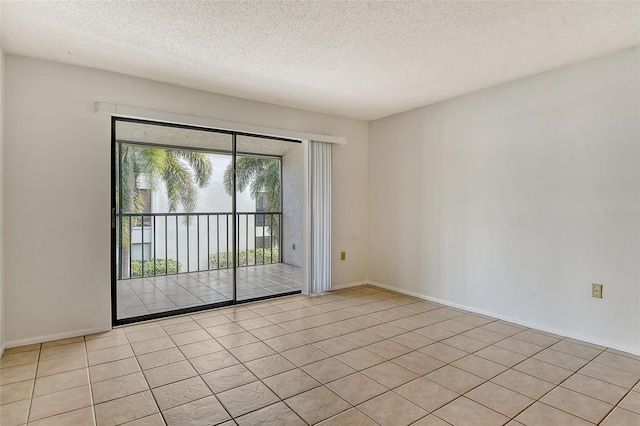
497,200
292,180
57,192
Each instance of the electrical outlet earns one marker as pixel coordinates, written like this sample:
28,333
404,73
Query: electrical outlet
343,255
596,290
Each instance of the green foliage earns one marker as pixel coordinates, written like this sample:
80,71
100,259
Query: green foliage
223,260
172,267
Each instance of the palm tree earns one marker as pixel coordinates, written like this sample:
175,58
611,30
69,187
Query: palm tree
181,172
261,175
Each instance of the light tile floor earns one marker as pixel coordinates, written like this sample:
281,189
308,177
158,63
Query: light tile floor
142,296
361,356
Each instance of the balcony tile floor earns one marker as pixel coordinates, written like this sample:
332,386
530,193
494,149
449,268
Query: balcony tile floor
143,296
358,356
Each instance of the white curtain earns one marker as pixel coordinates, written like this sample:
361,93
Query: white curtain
320,197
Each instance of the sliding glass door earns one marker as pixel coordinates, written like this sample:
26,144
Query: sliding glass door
184,236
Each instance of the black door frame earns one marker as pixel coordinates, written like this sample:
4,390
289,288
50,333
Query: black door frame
114,308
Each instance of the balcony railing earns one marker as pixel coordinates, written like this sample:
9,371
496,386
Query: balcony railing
152,244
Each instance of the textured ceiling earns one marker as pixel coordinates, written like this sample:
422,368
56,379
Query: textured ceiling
361,59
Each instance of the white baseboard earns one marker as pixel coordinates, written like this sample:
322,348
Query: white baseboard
347,285
57,336
2,350
560,332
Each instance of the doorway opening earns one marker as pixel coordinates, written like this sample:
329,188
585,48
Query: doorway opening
202,218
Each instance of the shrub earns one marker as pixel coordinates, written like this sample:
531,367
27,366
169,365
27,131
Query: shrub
172,267
223,260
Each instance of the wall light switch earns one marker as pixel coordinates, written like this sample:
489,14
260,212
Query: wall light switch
343,255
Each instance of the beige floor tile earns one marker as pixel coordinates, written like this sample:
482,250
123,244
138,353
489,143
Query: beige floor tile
152,420
501,355
479,366
61,365
542,414
519,346
251,351
166,374
203,347
20,358
81,417
434,332
228,378
275,414
105,334
18,349
537,338
211,320
357,388
247,398
297,325
215,361
388,349
286,342
455,379
160,358
351,417
576,349
387,330
619,361
431,420
455,326
17,374
269,332
113,369
543,370
579,405
224,329
443,352
238,339
281,317
523,383
60,342
152,345
327,370
60,402
291,383
412,340
484,335
363,337
304,355
61,381
179,393
127,409
190,337
502,328
561,359
595,388
253,323
418,362
610,374
269,366
500,399
389,374
631,402
16,391
106,342
465,343
360,359
118,387
202,412
15,413
102,356
391,409
152,332
316,334
407,324
364,321
620,416
317,404
426,394
336,345
464,411
70,349
181,327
